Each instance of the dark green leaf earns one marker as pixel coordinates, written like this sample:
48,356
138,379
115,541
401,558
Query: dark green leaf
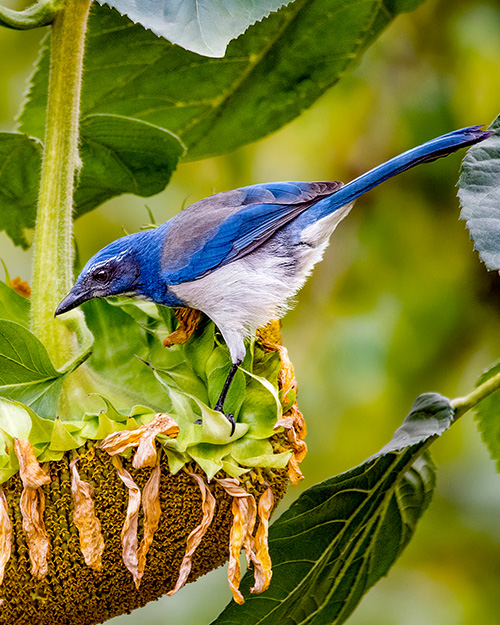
488,416
269,75
479,193
342,535
123,155
26,372
20,162
202,26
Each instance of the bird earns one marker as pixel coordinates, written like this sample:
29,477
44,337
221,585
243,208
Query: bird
241,256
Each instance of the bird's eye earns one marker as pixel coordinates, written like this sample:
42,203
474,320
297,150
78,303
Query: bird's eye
101,275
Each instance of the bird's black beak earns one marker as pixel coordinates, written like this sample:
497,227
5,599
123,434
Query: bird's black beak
72,300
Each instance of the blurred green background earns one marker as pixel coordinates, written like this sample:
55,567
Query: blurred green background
400,305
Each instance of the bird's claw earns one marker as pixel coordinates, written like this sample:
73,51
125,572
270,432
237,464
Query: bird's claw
230,418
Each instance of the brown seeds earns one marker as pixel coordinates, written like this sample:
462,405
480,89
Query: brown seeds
5,534
84,517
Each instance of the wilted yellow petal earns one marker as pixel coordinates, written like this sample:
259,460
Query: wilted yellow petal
152,513
188,322
129,530
32,505
244,515
194,539
5,534
262,564
32,475
89,528
142,436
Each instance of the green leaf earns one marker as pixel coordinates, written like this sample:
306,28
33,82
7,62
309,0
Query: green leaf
119,350
123,155
342,535
202,26
13,306
20,163
26,371
269,75
479,193
488,416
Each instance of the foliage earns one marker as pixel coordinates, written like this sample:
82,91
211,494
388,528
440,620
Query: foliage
211,105
479,194
191,107
342,535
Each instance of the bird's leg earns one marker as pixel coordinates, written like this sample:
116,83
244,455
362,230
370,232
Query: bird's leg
222,397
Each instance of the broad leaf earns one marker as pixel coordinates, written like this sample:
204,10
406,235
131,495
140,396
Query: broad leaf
479,193
20,162
342,535
119,349
123,155
488,416
26,371
269,75
202,26
119,155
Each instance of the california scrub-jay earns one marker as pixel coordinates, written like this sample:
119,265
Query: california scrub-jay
240,256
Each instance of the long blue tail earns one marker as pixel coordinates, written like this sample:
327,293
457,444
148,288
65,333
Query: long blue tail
430,151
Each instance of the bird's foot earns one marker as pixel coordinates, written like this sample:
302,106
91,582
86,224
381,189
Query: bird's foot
229,417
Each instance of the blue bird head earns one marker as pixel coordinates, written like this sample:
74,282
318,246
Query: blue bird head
114,270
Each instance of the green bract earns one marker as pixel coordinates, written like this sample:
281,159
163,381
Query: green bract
135,377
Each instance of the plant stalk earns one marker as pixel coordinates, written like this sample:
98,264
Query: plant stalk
54,253
464,404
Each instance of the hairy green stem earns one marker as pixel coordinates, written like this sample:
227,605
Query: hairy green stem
53,258
464,404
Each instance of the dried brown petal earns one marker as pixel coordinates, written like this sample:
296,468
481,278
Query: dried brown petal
244,515
262,564
188,322
142,436
286,377
194,539
84,517
21,287
32,475
5,534
294,425
152,513
32,505
129,530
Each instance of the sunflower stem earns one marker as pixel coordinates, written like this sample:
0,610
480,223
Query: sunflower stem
54,254
464,404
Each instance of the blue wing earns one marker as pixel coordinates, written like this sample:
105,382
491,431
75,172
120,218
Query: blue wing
229,225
